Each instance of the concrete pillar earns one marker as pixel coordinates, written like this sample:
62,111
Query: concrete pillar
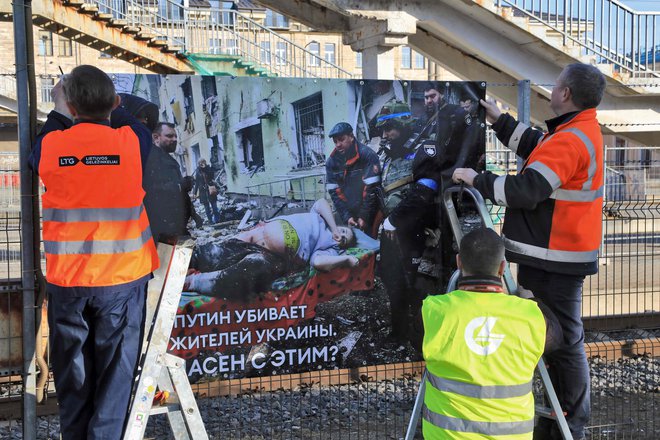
378,62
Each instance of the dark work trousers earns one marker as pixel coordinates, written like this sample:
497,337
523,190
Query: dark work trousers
400,258
95,343
567,365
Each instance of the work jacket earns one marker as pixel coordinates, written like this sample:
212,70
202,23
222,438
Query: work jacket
480,349
95,228
554,205
353,182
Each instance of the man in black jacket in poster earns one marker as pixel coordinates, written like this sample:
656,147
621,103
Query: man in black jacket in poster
353,180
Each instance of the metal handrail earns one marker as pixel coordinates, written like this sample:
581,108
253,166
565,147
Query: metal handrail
201,31
616,34
8,88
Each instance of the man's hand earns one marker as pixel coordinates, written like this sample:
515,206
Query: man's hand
492,111
352,222
464,175
524,293
389,230
57,93
361,224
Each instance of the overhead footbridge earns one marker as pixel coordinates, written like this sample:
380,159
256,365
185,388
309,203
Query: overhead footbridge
504,41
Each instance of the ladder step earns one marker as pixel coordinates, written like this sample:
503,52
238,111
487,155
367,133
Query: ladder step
144,36
88,8
158,42
130,30
117,23
171,49
102,16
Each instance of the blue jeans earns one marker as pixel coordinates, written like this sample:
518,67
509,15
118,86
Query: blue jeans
95,342
567,366
211,208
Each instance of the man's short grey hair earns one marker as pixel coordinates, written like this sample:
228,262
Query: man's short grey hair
587,84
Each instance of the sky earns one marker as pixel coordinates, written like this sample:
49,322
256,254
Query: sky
643,5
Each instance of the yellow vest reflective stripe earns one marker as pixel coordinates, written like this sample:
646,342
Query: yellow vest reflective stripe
480,350
472,427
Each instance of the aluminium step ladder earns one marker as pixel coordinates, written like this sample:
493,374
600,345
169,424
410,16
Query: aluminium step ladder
160,369
554,412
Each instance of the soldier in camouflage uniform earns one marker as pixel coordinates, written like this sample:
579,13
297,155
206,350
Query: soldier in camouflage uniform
441,146
397,152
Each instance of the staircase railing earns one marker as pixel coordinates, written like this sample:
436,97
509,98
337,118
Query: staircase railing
8,90
202,30
613,32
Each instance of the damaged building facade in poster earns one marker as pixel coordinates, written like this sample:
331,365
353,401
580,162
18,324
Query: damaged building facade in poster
266,142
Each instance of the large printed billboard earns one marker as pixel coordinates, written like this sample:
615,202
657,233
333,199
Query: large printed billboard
248,169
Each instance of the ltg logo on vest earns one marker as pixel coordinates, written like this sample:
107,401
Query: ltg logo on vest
480,338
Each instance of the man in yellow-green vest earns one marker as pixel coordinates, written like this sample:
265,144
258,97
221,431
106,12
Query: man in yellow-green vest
481,347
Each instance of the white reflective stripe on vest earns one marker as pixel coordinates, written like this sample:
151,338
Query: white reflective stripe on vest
484,428
371,180
547,173
97,246
478,391
568,195
591,172
329,186
550,254
91,214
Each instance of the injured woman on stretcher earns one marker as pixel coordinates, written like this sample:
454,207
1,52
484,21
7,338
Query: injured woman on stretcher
244,266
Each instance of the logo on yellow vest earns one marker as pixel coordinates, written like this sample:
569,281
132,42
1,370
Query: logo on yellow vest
485,341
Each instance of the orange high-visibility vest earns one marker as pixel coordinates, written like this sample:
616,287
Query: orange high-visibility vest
95,229
567,228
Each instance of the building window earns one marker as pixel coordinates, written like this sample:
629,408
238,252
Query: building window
251,149
308,114
275,20
222,12
208,87
264,53
329,54
65,47
280,53
45,43
620,153
230,48
358,60
405,57
215,46
420,61
170,10
314,49
188,100
46,87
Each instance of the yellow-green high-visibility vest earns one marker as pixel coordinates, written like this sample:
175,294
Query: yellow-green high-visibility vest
480,351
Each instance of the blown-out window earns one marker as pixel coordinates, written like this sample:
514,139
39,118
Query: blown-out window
308,113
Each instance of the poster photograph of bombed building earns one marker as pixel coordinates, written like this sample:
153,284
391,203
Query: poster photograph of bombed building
314,243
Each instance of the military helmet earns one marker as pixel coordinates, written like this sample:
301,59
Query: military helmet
340,129
394,113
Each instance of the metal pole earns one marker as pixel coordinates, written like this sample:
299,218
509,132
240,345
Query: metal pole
524,111
23,52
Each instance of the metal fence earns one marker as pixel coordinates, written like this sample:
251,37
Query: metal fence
201,30
621,305
613,32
